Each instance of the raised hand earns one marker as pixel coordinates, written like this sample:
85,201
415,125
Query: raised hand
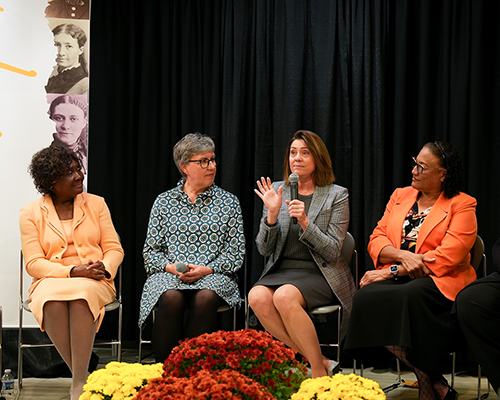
271,199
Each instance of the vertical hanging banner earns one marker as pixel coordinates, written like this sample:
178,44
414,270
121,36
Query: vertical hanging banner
44,80
68,84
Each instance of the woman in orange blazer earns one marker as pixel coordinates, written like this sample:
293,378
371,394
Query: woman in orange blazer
72,251
421,252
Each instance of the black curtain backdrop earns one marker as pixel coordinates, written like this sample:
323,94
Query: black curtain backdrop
376,79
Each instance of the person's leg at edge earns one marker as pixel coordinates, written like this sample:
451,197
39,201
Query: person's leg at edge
168,325
478,313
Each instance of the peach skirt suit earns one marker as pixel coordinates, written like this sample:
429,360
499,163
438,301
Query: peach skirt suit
52,247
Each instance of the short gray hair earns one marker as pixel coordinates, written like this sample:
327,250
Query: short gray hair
190,145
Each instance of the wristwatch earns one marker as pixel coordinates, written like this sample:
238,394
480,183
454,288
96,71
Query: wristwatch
394,271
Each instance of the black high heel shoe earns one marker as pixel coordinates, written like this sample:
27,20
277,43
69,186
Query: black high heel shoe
452,393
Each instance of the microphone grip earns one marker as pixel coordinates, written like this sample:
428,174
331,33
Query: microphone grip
181,267
294,195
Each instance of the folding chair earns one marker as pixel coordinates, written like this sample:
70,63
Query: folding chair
24,307
320,313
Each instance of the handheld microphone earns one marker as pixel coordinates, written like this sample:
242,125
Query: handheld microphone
181,267
294,190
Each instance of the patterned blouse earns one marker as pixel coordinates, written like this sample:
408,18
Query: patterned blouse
411,227
208,232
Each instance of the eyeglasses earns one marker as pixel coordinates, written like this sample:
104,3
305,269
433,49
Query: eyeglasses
205,162
420,167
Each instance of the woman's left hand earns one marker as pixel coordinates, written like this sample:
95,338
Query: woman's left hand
194,273
296,208
374,276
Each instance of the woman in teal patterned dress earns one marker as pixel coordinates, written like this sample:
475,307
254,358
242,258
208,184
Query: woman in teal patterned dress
199,224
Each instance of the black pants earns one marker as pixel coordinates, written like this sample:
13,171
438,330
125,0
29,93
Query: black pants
478,312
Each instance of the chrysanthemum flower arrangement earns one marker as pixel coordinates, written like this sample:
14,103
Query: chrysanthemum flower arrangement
252,353
341,387
118,381
204,385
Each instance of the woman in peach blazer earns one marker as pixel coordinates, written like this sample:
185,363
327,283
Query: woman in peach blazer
72,251
421,252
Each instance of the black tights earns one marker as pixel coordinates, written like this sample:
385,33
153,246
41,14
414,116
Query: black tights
429,387
169,326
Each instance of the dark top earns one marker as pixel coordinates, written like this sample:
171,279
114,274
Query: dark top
69,9
65,80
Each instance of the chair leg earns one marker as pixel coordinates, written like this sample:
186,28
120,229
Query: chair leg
479,395
234,318
120,332
453,359
139,356
20,351
478,382
400,381
247,314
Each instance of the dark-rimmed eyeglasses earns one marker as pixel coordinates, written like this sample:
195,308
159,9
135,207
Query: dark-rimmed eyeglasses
420,167
205,162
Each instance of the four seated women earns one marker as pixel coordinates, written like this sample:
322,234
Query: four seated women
420,249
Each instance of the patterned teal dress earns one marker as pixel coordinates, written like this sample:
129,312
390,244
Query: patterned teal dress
208,232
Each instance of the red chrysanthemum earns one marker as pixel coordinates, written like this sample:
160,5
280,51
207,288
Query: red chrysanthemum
252,353
205,385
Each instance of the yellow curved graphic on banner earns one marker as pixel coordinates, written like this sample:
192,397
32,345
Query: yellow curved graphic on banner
17,70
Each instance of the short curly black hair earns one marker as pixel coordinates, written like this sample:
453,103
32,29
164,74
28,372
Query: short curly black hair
454,180
49,165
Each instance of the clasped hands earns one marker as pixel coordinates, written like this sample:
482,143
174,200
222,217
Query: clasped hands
412,265
193,273
273,200
94,270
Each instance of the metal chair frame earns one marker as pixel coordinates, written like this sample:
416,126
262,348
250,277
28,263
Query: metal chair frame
348,250
116,345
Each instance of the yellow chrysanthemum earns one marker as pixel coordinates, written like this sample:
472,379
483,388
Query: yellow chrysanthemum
339,386
119,381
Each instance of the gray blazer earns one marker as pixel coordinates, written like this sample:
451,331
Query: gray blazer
324,236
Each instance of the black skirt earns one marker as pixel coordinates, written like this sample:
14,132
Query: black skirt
407,312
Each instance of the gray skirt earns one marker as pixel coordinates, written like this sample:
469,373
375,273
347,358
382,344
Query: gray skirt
310,281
